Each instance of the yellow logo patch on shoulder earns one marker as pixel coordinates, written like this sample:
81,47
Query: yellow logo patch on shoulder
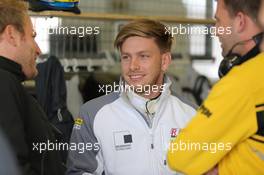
78,122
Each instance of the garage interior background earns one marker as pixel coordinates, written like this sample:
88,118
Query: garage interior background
92,53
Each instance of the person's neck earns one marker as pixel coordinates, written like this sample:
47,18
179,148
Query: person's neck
247,35
262,46
247,47
152,95
7,52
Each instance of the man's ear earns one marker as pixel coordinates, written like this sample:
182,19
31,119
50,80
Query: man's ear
240,22
165,61
11,35
262,45
261,14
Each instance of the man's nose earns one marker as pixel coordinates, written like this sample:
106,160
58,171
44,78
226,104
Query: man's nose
134,64
38,51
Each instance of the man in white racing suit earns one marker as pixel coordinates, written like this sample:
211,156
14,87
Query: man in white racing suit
128,132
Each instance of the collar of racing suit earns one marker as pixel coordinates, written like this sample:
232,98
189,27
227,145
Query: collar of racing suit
147,107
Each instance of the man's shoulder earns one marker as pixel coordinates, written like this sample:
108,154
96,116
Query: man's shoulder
8,80
6,76
254,64
93,106
247,74
185,102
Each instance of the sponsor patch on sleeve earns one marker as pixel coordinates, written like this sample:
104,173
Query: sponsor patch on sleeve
204,110
78,123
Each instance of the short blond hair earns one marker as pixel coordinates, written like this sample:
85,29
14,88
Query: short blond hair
250,8
13,12
148,29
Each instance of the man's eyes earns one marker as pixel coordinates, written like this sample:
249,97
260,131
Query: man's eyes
144,56
124,57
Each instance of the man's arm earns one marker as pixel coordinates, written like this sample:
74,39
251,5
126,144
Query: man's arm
11,121
8,164
225,119
88,160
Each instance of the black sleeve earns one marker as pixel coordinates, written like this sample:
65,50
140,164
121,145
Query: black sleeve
12,121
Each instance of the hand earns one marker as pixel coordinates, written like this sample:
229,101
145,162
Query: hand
213,171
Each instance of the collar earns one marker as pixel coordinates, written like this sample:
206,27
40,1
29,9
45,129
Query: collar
12,67
251,54
144,105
